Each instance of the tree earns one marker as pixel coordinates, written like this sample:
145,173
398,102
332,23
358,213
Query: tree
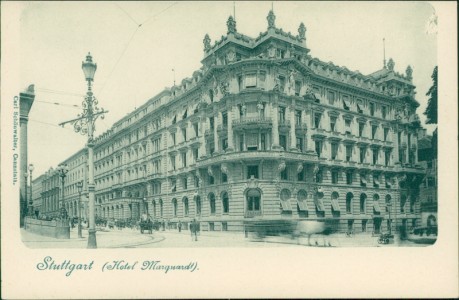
431,111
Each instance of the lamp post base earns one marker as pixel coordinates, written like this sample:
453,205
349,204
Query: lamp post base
92,242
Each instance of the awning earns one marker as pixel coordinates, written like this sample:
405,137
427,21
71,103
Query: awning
376,182
286,206
359,109
376,207
363,180
346,105
335,205
302,205
319,204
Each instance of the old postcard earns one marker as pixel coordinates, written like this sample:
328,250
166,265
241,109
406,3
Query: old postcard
229,149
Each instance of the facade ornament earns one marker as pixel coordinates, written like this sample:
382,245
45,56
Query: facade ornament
271,51
390,64
276,84
291,81
224,168
243,109
271,19
209,171
198,177
215,86
231,56
224,87
281,166
315,170
409,73
231,23
299,168
206,42
401,178
302,32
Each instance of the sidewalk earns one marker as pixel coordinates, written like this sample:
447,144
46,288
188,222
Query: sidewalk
105,239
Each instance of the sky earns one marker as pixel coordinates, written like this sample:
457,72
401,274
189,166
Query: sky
137,44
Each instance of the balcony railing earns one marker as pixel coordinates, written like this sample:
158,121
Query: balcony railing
252,213
252,120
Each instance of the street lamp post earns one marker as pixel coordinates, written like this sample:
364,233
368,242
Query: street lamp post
80,189
31,213
85,124
62,170
25,193
389,208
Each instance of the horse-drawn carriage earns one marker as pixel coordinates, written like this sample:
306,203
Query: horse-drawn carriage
146,224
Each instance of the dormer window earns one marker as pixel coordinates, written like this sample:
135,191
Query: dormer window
280,53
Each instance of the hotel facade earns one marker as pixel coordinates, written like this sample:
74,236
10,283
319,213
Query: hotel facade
263,131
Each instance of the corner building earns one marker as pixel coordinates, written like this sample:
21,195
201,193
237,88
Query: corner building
265,131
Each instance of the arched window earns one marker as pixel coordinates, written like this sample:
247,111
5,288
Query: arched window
363,198
253,200
349,197
212,203
186,208
285,200
225,202
197,200
335,204
302,206
174,207
376,208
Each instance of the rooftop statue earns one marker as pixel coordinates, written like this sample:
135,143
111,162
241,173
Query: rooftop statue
390,64
271,19
231,23
206,42
409,72
302,32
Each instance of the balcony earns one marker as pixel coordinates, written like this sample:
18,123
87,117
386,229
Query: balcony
259,122
253,213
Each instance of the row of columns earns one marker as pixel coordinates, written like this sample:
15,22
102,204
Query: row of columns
275,129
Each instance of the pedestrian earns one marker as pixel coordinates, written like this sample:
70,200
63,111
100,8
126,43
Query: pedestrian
164,225
179,226
194,228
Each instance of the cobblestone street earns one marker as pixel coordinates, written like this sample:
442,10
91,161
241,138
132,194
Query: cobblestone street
130,238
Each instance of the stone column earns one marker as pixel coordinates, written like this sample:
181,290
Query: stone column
275,130
396,145
217,148
230,129
309,143
202,132
292,129
26,99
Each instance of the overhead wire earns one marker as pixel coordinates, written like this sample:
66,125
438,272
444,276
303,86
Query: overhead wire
50,124
128,15
50,91
59,104
149,19
130,40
